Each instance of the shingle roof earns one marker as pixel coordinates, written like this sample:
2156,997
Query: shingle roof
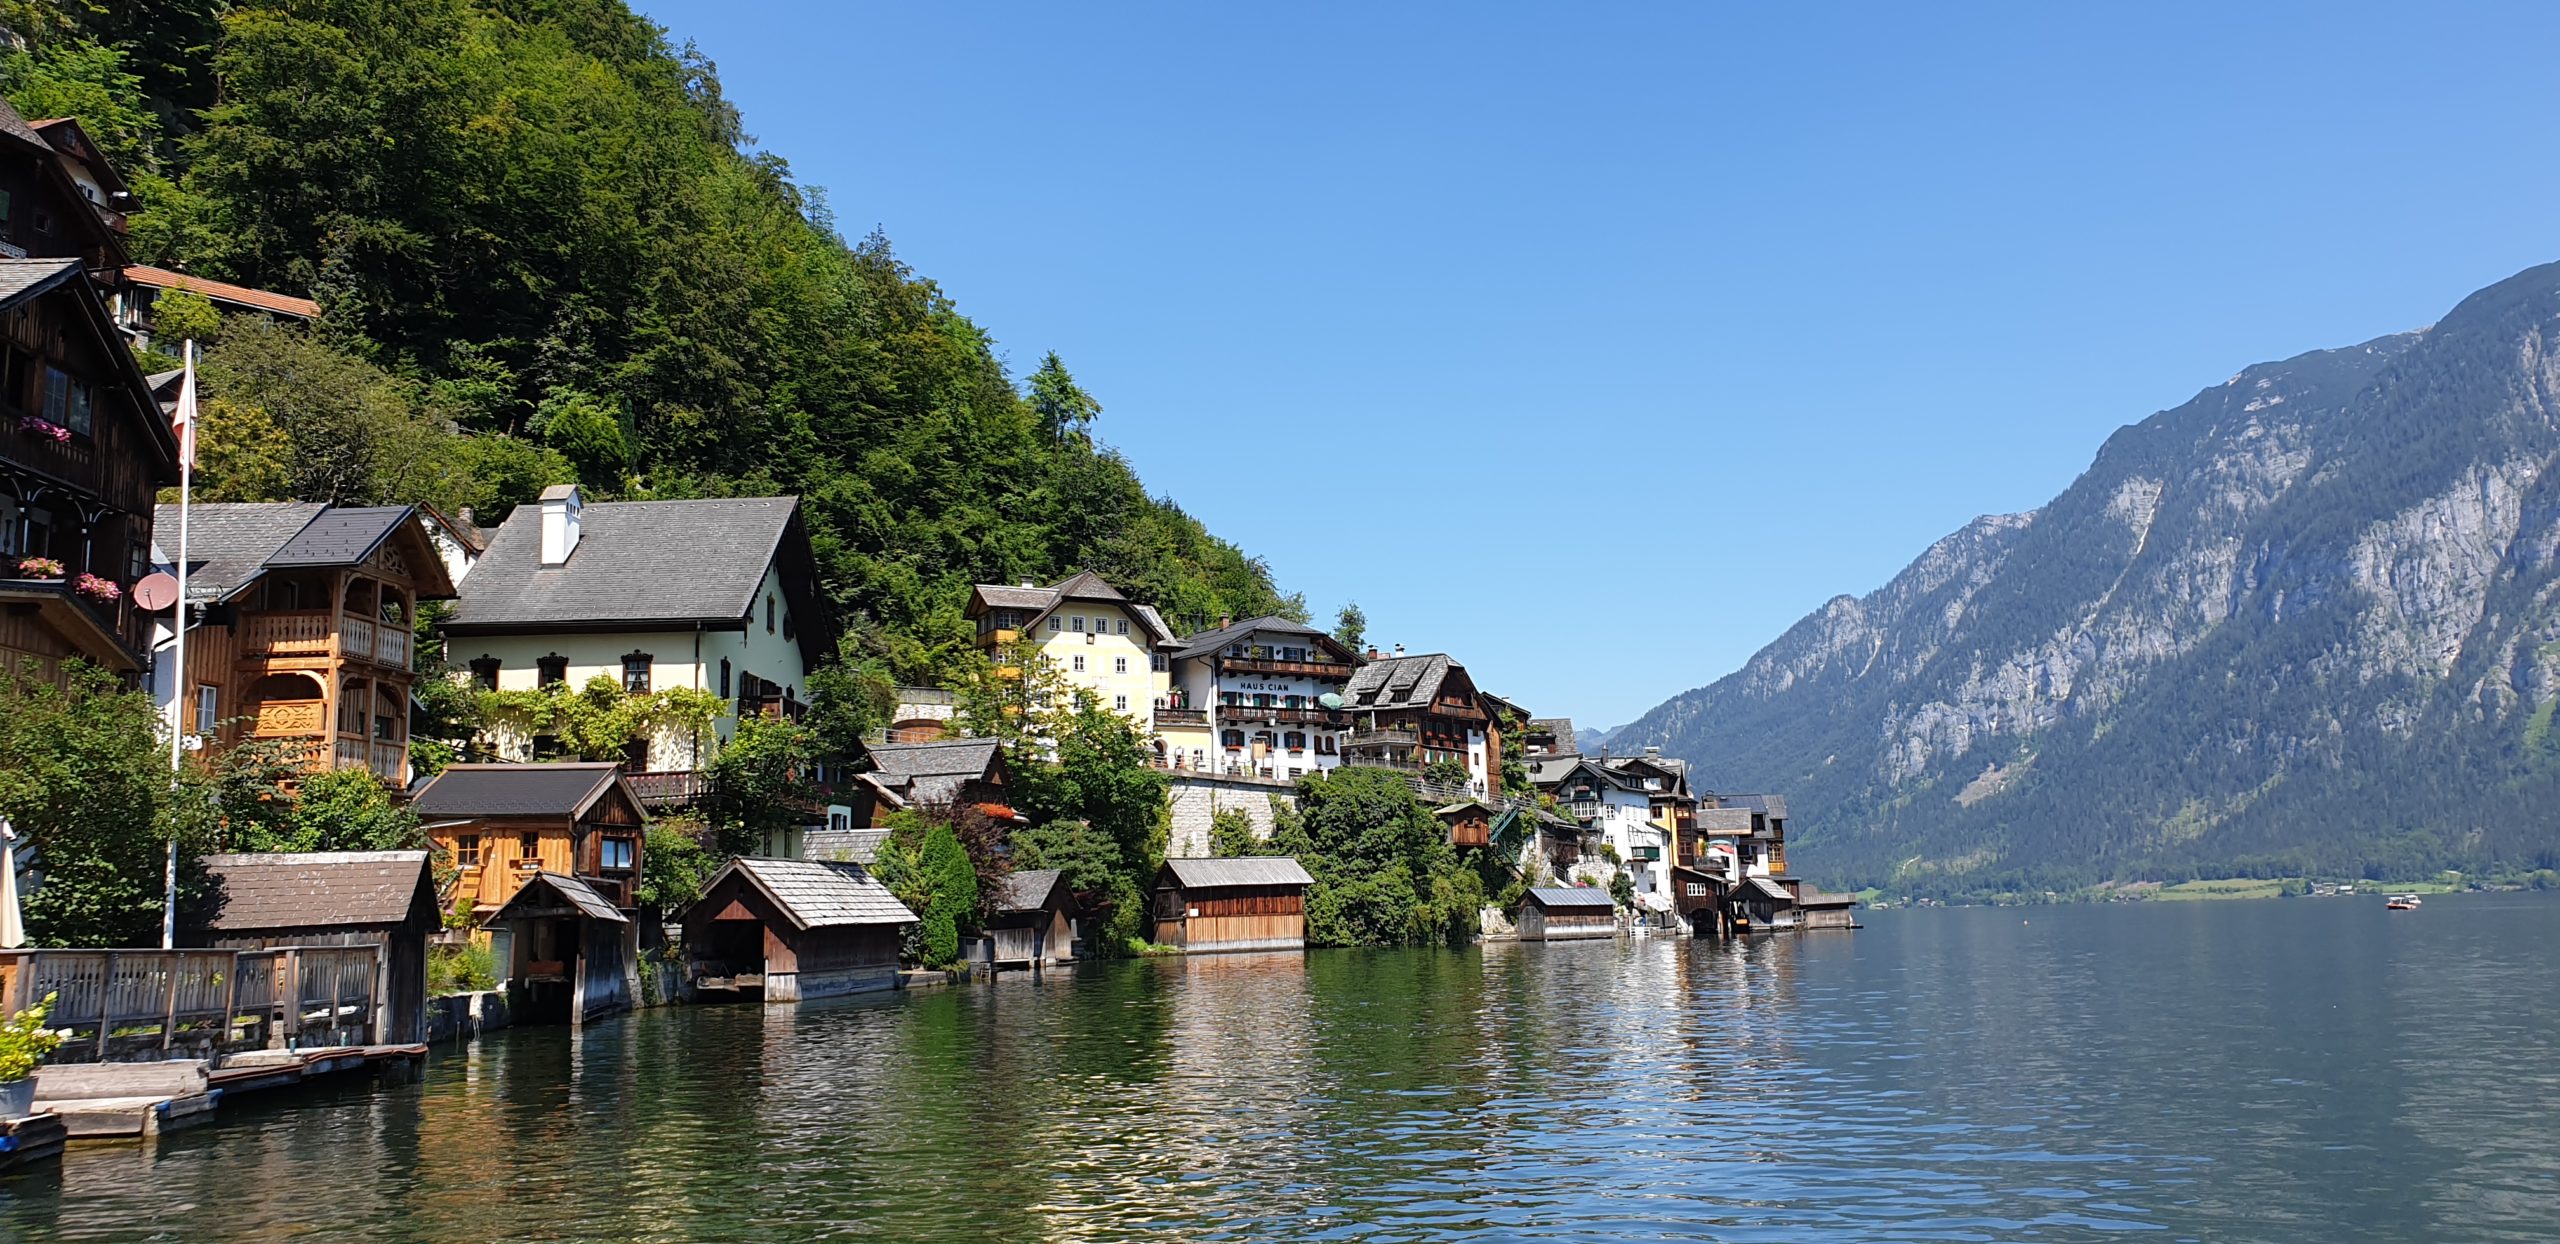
852,846
1251,870
577,893
21,279
1082,585
1560,727
1204,642
1027,890
515,790
223,291
16,126
636,561
942,758
1772,806
1553,769
817,894
1811,895
1086,585
325,889
341,536
1001,596
1724,820
1772,889
229,544
1398,682
1571,896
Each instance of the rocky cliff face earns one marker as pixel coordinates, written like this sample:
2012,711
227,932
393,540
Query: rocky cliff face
2304,622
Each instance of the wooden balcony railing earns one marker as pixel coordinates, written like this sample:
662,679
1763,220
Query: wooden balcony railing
1335,670
668,788
1181,716
302,632
1274,712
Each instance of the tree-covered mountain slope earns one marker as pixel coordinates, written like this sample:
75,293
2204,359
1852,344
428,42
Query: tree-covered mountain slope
2303,624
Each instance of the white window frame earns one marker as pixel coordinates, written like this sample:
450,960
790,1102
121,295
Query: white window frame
1119,665
207,701
1077,622
1079,663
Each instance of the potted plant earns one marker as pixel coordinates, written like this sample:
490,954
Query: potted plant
24,1043
96,590
39,568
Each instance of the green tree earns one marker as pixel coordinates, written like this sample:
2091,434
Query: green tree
1351,627
346,810
84,775
760,784
674,866
1065,411
182,315
1384,872
1231,834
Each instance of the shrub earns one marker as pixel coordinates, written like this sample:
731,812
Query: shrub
460,969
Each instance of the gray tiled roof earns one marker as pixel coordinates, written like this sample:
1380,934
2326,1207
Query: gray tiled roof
513,790
1571,896
229,544
1399,682
1193,874
16,126
1204,642
1155,622
324,889
1552,770
943,758
21,279
1560,727
1773,806
1001,596
1082,585
817,894
1724,820
1811,895
1772,889
1026,890
850,846
577,893
341,536
636,561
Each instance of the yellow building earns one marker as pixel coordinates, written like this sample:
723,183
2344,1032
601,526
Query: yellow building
1091,635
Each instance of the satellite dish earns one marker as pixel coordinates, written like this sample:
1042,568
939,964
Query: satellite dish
157,591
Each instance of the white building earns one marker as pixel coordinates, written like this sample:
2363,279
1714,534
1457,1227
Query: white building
718,595
1262,697
1617,807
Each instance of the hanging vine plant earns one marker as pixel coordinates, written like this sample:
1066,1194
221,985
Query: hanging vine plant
597,721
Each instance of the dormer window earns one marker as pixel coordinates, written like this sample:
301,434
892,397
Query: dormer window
551,671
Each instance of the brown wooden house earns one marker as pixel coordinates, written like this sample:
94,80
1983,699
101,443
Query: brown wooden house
1564,913
568,954
302,628
1410,712
1034,920
385,899
1255,903
1470,823
502,824
792,930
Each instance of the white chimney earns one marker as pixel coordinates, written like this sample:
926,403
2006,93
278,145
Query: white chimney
1399,652
560,505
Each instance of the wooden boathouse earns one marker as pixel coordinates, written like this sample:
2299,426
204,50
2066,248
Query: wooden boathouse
1034,921
384,899
1255,903
792,930
568,955
1564,913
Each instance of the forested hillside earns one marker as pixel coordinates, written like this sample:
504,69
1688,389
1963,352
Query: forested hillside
2305,624
546,249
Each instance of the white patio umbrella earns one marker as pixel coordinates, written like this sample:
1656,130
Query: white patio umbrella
13,929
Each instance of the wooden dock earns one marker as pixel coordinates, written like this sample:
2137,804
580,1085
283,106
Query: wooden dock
117,1101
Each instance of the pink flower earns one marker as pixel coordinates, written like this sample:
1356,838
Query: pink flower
103,591
37,425
39,568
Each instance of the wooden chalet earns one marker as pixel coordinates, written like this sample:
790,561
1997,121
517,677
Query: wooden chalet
1254,903
792,930
1409,712
380,899
502,824
568,954
1469,821
1565,913
83,444
302,628
1034,921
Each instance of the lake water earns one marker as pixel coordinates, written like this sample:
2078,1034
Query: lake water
2272,1070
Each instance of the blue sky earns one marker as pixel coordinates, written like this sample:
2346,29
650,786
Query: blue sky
1597,344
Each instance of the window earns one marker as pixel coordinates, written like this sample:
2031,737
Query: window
1155,661
1121,626
724,678
466,850
484,673
768,613
1079,663
1077,623
614,854
1120,702
1057,623
205,700
552,670
529,846
382,726
81,420
635,673
1119,665
1232,739
1295,741
57,396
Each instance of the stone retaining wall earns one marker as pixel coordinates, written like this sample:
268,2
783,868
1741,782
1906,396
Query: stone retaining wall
1197,797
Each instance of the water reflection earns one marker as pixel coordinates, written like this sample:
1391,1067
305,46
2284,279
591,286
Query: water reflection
2228,1071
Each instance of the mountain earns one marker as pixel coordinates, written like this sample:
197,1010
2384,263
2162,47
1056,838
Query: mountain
2304,624
1590,742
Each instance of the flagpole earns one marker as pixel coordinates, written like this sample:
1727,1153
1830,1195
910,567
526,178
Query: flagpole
178,649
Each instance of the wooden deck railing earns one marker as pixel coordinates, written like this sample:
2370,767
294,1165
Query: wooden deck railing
121,1005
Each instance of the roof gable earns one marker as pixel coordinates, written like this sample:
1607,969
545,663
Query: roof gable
22,281
1252,870
324,889
562,790
1202,643
817,894
566,890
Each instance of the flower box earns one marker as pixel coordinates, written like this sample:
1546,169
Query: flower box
38,425
39,568
97,590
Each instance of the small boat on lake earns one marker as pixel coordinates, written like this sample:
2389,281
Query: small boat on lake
2402,902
